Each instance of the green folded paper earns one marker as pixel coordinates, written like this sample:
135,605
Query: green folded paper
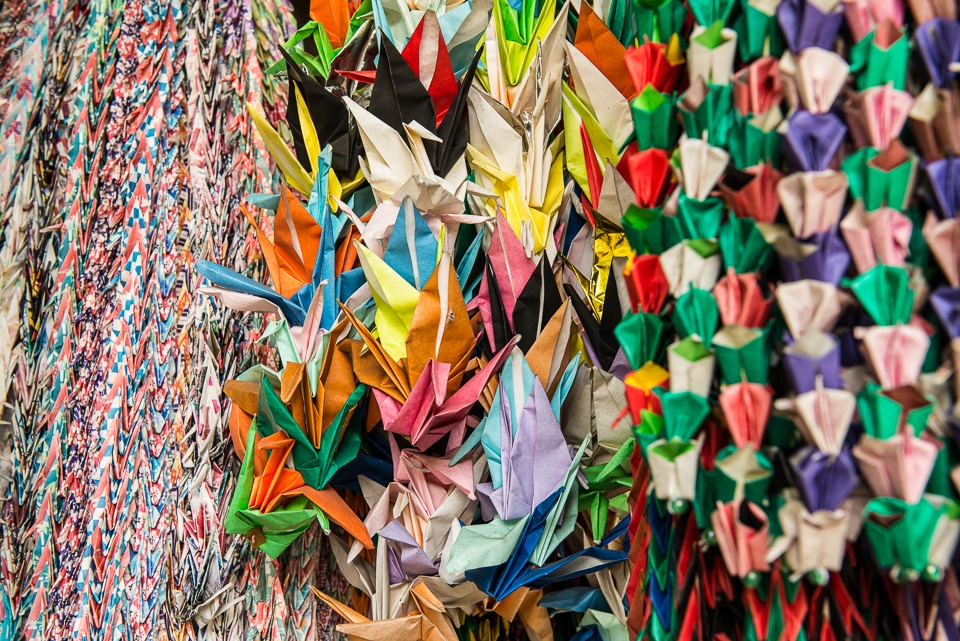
659,232
742,473
620,17
707,109
635,220
338,445
683,413
903,536
650,429
655,119
709,12
743,354
758,31
881,178
607,488
883,412
696,314
317,65
881,59
699,218
947,459
754,139
885,294
743,246
659,19
919,248
642,337
277,529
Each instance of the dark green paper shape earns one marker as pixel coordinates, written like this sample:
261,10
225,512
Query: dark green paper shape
750,145
282,526
885,294
650,429
743,246
659,19
655,119
755,490
699,218
900,533
635,221
697,314
641,337
743,354
873,184
882,411
661,233
712,116
605,489
873,66
683,414
317,466
758,33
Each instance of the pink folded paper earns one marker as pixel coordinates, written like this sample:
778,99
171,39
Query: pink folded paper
752,193
742,300
864,15
431,477
881,236
427,415
746,406
899,466
757,87
896,352
876,116
943,237
808,304
825,416
742,535
812,201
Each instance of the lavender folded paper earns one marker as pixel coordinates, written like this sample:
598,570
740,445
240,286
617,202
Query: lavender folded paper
864,15
815,355
406,558
939,43
898,466
946,304
822,257
811,140
824,481
525,447
810,23
945,182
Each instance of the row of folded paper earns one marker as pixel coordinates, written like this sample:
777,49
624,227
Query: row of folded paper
496,265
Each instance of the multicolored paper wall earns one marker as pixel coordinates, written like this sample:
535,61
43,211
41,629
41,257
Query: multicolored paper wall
480,320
